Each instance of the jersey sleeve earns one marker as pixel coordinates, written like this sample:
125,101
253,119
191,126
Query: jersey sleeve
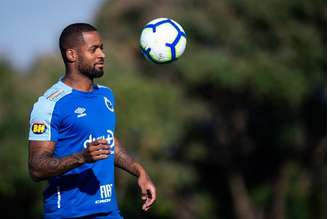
43,121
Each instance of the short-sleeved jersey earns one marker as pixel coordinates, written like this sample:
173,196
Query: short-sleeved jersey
71,119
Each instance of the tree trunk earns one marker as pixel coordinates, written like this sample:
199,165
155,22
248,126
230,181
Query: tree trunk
279,190
240,197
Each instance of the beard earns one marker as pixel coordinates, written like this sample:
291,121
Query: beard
89,70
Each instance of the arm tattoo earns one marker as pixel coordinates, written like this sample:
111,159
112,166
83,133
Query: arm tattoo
124,161
44,165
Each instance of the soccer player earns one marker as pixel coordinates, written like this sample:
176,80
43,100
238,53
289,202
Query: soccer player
71,139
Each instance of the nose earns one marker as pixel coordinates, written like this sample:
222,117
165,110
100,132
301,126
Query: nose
102,53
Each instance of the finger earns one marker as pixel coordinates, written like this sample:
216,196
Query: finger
100,157
97,142
146,207
151,197
102,141
93,143
102,147
98,147
152,190
100,152
144,197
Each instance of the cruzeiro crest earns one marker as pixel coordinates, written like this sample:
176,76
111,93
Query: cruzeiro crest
109,104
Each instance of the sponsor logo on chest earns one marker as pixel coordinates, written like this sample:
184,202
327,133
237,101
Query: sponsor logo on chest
109,137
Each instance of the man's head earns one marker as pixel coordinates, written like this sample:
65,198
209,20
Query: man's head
81,48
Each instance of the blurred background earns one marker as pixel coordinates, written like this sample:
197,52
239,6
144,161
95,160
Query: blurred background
236,128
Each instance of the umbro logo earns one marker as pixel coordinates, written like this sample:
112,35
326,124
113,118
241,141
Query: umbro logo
80,112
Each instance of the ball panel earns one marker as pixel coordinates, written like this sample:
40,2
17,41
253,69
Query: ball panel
162,40
145,38
166,33
180,47
179,26
161,53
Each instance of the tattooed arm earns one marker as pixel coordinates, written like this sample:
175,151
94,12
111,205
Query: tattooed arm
42,164
124,161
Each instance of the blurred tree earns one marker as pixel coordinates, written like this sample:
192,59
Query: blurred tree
234,129
249,71
16,190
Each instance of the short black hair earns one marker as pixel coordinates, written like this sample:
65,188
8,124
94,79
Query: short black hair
72,37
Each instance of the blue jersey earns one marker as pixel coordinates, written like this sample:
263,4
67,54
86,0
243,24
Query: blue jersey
71,119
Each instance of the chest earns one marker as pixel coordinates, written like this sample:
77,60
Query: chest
91,115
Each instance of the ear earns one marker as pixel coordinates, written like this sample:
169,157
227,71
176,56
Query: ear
71,55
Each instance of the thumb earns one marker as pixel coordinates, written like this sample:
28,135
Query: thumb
143,193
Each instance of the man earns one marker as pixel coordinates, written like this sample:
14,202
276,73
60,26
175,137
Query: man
71,139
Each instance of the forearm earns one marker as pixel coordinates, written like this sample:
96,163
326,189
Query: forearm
126,162
44,165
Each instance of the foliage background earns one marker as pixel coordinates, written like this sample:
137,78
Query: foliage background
234,129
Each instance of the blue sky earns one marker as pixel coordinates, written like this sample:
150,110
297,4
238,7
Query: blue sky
31,28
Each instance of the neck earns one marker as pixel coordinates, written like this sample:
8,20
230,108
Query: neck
78,81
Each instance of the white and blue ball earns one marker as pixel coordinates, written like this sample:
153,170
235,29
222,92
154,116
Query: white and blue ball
163,40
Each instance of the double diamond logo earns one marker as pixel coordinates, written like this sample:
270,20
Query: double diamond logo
80,112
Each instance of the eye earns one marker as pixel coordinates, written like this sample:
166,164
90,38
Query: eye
93,49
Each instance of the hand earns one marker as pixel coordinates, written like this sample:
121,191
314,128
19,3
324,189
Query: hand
148,191
96,150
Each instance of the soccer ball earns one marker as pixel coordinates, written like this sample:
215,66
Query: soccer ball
162,40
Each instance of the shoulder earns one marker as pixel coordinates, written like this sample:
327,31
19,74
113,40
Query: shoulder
108,96
51,97
103,88
57,92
